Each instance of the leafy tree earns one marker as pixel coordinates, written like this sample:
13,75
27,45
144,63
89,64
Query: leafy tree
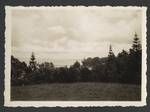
87,62
122,66
45,72
18,71
75,71
85,74
76,65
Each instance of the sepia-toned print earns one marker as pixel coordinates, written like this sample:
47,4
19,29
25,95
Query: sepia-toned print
75,56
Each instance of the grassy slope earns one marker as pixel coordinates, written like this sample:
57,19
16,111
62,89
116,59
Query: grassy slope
77,91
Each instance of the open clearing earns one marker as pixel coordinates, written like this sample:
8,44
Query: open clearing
77,92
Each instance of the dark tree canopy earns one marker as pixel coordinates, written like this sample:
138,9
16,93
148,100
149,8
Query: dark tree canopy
123,68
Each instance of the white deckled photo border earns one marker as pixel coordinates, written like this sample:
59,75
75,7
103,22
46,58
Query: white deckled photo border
7,91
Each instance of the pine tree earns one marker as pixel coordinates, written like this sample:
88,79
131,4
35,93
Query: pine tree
110,54
32,62
136,47
111,68
135,60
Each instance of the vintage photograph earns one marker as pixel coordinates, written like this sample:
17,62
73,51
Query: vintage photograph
75,54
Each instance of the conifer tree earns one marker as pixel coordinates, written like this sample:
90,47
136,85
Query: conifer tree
32,62
135,60
111,68
136,46
110,54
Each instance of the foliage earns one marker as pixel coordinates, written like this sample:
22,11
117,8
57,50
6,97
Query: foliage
123,68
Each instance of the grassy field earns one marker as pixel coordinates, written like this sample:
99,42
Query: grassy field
77,91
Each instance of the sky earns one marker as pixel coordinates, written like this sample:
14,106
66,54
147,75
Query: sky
63,35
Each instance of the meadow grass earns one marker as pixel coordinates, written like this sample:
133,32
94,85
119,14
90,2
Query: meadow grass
77,92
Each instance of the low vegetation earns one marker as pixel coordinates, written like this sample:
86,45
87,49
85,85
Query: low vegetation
77,91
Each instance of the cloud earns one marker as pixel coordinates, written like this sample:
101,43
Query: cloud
73,32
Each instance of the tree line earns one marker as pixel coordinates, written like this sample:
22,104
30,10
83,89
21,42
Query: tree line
123,68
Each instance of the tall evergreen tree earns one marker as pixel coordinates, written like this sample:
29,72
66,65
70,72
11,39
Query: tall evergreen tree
111,68
135,60
136,47
111,54
32,62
